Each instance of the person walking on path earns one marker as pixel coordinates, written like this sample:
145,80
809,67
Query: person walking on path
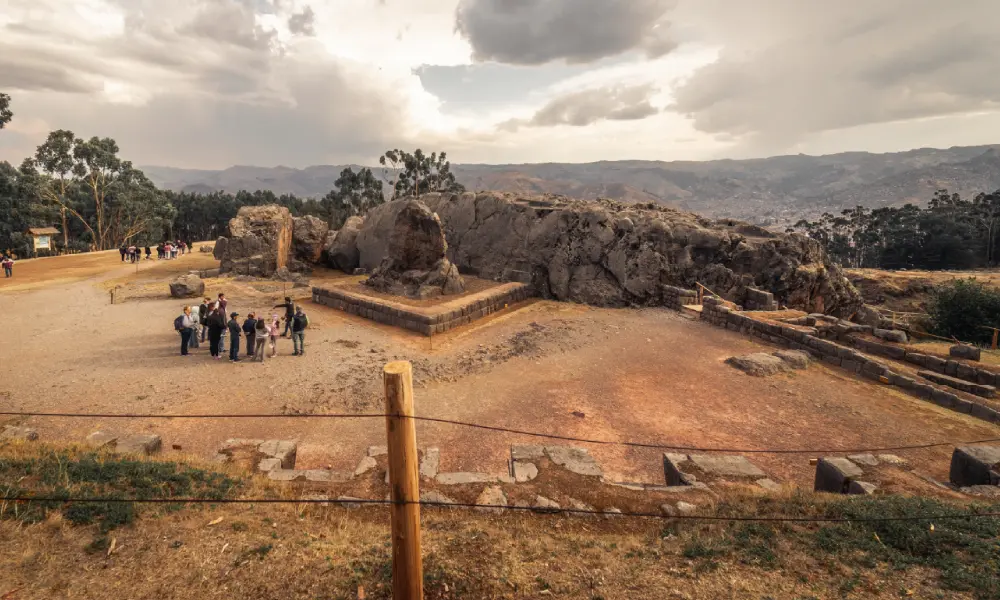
203,312
250,333
123,249
289,307
223,303
8,266
299,324
234,337
185,325
149,253
274,333
262,334
216,325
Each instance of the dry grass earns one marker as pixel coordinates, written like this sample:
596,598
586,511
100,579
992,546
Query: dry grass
310,551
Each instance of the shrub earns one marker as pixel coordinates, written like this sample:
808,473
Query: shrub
962,308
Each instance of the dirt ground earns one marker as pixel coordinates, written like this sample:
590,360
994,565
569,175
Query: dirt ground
644,375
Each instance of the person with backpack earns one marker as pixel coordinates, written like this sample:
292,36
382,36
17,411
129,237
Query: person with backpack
185,326
299,324
234,338
289,307
250,333
216,325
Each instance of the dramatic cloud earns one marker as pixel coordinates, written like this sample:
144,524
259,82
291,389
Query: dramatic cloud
534,32
586,107
303,23
790,69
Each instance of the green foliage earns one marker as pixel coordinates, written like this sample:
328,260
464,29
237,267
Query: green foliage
5,113
962,308
950,233
355,194
413,174
66,474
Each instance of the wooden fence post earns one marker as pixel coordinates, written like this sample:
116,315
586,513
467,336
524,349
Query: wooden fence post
404,484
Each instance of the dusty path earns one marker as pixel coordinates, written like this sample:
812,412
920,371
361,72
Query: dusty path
642,375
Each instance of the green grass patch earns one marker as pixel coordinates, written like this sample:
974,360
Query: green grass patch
71,473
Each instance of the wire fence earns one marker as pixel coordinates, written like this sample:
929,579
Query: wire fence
508,430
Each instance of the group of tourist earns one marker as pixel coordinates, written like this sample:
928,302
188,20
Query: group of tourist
8,265
208,321
166,250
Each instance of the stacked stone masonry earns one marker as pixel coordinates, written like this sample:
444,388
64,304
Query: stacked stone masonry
451,315
721,313
760,300
676,298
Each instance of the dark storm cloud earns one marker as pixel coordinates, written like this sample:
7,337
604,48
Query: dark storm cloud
534,32
578,109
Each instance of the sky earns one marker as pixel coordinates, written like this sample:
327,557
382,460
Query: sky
214,83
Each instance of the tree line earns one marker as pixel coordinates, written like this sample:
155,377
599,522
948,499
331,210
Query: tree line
99,201
950,233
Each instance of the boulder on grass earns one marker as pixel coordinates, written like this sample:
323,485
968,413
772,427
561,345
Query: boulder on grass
975,465
187,286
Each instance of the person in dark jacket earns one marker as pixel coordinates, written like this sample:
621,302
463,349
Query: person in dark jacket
250,333
122,250
203,311
216,325
234,337
289,307
299,324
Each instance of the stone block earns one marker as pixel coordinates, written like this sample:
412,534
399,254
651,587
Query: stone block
951,368
366,464
869,460
378,451
285,475
985,391
266,465
492,496
672,473
835,475
892,459
975,465
726,466
851,365
100,439
769,484
524,471
943,398
430,463
527,453
433,497
543,504
861,488
966,352
283,450
686,508
575,460
140,443
464,478
891,335
350,501
796,359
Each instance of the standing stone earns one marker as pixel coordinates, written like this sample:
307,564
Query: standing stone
835,475
975,465
187,286
308,237
340,248
220,248
417,264
259,242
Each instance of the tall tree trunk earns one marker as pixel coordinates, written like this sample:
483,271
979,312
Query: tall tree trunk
65,228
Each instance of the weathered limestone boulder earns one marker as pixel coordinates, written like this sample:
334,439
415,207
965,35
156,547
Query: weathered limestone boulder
187,286
340,248
259,242
220,248
607,253
416,264
308,236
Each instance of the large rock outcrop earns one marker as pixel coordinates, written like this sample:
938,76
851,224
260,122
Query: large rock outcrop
259,241
611,254
340,249
416,262
308,236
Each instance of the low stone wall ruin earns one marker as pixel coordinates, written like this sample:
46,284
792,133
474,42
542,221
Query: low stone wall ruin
676,298
430,321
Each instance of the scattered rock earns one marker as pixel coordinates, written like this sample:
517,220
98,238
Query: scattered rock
524,471
430,463
864,459
283,450
611,512
492,496
758,365
366,464
891,335
769,485
527,453
464,478
140,443
575,460
543,504
434,497
12,432
100,439
861,488
266,465
797,359
726,466
835,475
187,286
350,501
668,510
378,450
686,508
975,465
892,459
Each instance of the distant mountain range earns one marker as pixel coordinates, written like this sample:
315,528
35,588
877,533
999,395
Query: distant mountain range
768,191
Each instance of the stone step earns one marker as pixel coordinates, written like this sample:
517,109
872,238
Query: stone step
692,311
984,391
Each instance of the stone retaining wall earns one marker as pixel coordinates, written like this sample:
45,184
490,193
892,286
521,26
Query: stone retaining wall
952,368
760,300
726,314
675,297
438,319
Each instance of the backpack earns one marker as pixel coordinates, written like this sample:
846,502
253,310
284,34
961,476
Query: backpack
179,323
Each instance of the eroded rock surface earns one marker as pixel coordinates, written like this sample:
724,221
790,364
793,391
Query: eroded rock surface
416,263
340,248
259,241
308,237
607,253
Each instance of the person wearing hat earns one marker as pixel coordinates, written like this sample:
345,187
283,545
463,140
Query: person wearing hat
234,337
